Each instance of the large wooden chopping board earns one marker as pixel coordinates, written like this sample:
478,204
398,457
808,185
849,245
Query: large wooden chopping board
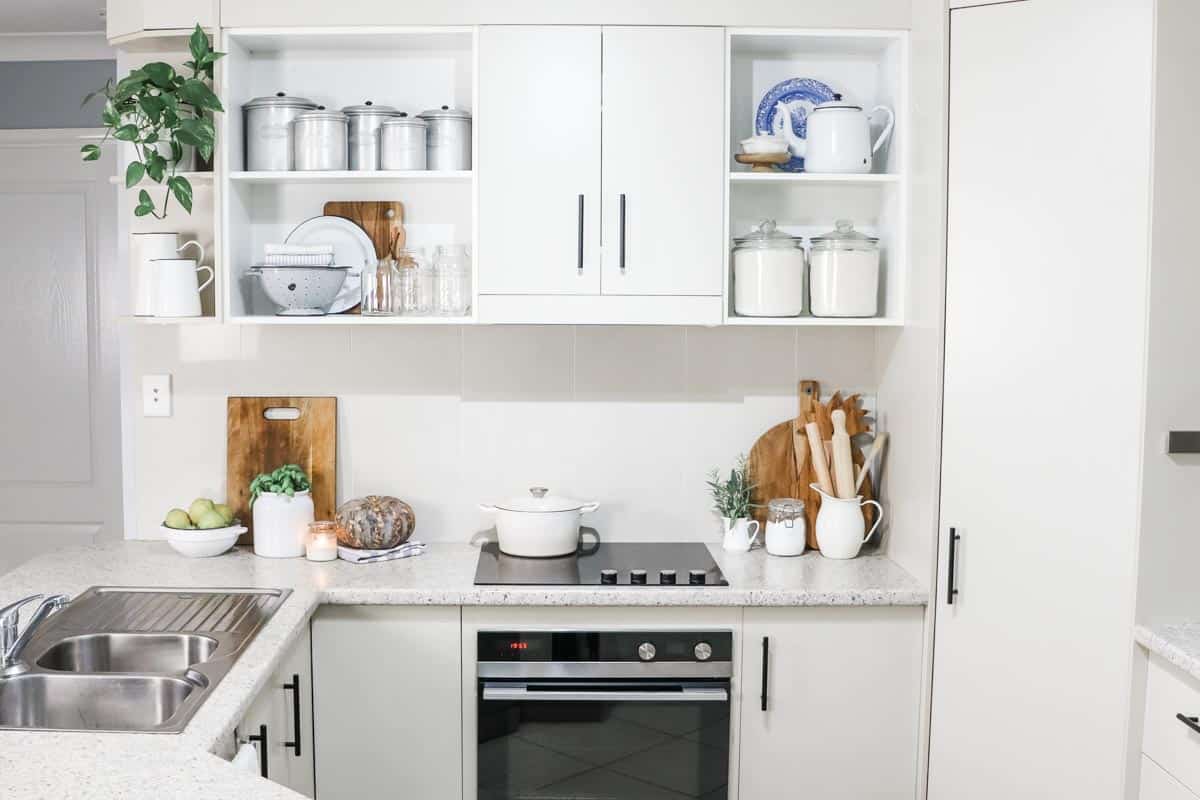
256,443
381,219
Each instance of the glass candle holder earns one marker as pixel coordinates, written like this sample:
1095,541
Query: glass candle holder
321,544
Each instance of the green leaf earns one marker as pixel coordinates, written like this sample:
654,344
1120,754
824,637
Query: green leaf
198,133
182,189
156,165
197,93
126,133
130,84
198,43
134,173
109,115
160,73
145,204
90,152
153,105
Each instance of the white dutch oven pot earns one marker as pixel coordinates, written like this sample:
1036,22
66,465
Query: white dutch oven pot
540,525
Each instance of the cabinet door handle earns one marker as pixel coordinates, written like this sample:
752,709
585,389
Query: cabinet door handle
766,647
621,254
579,233
294,688
951,581
1191,722
261,738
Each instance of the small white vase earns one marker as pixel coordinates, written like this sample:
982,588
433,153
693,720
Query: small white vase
739,534
841,527
281,524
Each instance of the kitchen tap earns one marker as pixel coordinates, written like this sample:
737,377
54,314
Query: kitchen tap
13,644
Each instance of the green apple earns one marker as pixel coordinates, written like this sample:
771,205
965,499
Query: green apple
210,519
225,511
198,507
178,518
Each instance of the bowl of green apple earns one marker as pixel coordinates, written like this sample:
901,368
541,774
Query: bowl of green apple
204,530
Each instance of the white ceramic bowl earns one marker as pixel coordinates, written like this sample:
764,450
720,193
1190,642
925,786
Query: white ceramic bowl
202,543
764,144
302,291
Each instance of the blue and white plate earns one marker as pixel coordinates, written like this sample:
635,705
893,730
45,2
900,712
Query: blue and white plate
799,96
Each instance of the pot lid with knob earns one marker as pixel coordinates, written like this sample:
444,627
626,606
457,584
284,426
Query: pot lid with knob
540,501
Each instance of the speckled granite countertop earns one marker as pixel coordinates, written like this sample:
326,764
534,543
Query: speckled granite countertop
188,765
1178,643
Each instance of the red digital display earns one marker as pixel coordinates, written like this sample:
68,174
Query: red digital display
518,645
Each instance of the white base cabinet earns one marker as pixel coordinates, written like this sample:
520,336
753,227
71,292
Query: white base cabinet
388,712
1157,784
834,713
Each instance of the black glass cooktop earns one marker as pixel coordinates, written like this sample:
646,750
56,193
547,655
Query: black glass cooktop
637,565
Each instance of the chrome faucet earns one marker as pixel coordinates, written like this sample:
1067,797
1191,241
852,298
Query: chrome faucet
12,644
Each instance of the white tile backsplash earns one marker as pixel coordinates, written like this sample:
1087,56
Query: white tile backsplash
448,417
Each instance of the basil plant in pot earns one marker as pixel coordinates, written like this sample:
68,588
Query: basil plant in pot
731,500
164,114
283,508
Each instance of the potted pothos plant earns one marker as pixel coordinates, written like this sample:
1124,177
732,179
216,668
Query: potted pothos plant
731,501
283,508
160,111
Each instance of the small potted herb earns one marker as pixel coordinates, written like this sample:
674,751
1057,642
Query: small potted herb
731,500
283,508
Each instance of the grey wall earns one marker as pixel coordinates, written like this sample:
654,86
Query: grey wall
47,94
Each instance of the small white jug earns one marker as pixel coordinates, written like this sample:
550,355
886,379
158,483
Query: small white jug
840,525
739,534
144,248
176,293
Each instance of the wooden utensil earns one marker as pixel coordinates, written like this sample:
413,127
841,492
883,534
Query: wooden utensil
762,162
264,433
816,449
381,219
843,460
869,458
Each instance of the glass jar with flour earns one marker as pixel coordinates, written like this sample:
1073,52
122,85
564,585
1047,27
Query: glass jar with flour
768,273
844,273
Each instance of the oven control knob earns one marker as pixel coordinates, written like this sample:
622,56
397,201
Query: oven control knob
608,576
646,651
703,651
697,577
666,577
637,576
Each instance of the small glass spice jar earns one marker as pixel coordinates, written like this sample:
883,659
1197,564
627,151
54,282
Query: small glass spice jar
787,527
321,544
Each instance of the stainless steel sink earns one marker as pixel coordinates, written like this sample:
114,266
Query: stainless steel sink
132,659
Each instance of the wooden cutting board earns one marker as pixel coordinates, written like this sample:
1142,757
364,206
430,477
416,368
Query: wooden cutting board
381,219
264,433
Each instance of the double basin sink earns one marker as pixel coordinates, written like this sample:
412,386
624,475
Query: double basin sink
132,660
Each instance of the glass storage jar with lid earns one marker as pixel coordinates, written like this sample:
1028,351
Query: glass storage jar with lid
844,273
768,273
452,265
787,527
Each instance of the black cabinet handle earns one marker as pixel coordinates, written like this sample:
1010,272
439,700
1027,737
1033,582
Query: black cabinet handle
1191,722
261,738
951,583
765,666
294,688
579,230
621,257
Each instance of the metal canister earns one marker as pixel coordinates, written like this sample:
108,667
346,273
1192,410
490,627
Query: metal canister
320,140
448,142
268,136
363,125
402,142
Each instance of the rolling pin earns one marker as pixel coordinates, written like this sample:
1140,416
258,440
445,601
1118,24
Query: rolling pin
816,451
843,459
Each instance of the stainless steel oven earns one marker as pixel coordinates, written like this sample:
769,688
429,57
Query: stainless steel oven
603,715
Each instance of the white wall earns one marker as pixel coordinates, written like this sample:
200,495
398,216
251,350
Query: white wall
447,417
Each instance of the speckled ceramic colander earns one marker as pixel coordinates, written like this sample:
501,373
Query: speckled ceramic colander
301,291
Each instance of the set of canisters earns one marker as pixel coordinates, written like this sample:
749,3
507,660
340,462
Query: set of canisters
293,133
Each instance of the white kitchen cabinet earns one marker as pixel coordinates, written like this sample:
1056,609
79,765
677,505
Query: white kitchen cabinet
1157,784
388,710
126,17
842,694
284,721
1045,300
663,161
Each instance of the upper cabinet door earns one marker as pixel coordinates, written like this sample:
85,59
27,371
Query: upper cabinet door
664,174
539,160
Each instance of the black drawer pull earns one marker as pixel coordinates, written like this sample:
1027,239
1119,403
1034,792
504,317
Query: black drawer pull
951,582
294,688
261,738
1191,722
766,647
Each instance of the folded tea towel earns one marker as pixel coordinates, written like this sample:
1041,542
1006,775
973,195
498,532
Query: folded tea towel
406,550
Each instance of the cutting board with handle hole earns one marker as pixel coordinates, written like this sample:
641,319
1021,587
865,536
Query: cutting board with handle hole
381,219
264,433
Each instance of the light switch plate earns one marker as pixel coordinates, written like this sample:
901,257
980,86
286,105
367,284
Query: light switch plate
156,395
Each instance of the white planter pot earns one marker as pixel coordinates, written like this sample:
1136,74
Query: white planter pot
281,524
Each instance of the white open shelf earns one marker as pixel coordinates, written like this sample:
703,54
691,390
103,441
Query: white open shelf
352,319
194,178
354,176
810,177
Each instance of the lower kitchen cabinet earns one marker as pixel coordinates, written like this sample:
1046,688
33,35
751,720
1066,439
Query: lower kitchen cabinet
388,711
1157,784
282,716
830,701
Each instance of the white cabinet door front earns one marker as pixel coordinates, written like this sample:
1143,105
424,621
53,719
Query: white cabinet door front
1156,784
293,691
663,160
539,160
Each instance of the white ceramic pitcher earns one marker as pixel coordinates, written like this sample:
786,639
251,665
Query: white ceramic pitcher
739,534
143,249
176,293
840,525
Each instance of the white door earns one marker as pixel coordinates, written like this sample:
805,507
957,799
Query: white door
664,173
293,691
60,431
539,160
1045,328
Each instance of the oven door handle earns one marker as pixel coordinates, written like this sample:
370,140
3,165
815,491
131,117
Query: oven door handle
689,694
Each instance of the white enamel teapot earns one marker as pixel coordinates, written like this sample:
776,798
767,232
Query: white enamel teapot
839,136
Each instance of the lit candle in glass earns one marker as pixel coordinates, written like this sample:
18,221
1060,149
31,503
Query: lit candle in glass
322,541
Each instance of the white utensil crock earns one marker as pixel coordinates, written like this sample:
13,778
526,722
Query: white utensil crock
539,526
147,247
841,525
176,293
739,534
281,524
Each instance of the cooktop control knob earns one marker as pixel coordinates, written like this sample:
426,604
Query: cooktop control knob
638,577
646,651
697,577
666,577
608,576
703,651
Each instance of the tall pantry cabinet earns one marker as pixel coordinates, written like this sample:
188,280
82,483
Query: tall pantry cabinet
1050,122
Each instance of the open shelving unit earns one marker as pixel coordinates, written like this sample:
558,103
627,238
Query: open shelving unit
868,68
412,69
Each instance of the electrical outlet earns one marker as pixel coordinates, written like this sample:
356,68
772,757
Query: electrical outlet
156,395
